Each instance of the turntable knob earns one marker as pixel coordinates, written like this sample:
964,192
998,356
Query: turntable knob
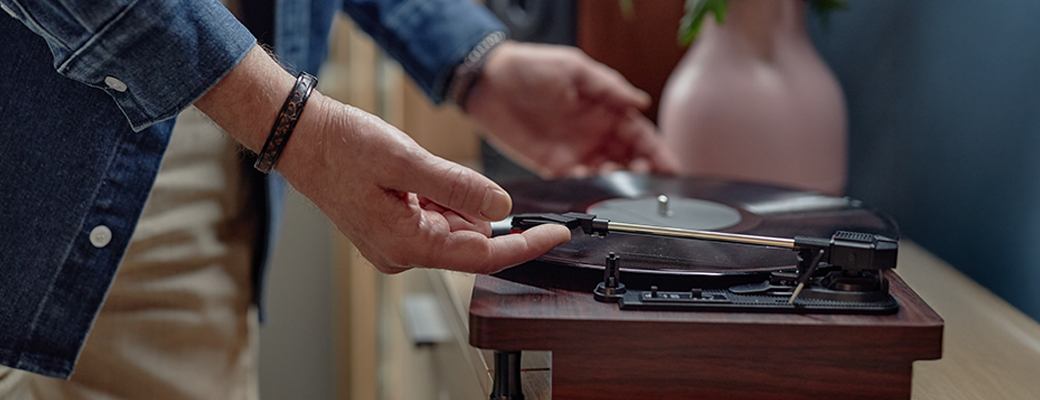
653,291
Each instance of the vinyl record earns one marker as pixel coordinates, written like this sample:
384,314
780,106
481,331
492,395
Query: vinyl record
691,203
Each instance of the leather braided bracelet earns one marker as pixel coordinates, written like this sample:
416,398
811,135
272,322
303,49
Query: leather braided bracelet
286,122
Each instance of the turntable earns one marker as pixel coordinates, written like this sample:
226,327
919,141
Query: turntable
700,288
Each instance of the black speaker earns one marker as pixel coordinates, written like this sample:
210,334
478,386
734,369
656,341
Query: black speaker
538,21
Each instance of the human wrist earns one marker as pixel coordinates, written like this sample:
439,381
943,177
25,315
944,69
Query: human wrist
303,160
468,74
246,102
285,123
256,87
485,101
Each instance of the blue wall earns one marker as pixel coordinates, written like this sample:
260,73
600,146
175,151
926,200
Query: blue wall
944,113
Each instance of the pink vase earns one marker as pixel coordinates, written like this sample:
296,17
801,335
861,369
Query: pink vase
752,100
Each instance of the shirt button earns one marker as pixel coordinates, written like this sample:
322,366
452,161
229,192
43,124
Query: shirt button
115,84
100,236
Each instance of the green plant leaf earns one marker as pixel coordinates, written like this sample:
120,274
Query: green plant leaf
696,10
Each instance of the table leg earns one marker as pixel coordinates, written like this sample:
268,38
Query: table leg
507,376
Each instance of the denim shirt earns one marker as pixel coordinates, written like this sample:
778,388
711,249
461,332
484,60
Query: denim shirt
86,110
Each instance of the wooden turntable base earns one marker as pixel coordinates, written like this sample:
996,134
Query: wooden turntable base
601,352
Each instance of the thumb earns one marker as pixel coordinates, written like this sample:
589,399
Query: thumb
458,188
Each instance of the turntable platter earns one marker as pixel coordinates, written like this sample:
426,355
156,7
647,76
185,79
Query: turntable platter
662,210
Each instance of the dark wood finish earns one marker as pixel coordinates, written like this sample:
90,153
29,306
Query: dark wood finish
644,48
601,352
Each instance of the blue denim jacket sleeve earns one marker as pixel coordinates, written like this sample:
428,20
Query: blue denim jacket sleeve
74,175
154,57
428,37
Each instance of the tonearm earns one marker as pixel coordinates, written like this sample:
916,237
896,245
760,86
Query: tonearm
854,253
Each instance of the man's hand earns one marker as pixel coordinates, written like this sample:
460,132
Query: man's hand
559,113
400,205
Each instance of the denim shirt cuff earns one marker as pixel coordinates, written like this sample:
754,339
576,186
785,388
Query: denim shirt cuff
429,37
154,57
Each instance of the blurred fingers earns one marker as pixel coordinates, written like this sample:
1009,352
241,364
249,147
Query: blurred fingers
641,135
609,167
640,166
603,84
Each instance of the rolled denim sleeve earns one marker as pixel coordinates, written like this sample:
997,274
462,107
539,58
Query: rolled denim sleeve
154,57
428,37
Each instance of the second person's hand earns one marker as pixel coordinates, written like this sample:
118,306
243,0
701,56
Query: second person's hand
560,113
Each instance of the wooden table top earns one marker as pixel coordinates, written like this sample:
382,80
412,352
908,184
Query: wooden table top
990,349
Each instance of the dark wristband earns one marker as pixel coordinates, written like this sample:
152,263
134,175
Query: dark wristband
286,122
468,72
